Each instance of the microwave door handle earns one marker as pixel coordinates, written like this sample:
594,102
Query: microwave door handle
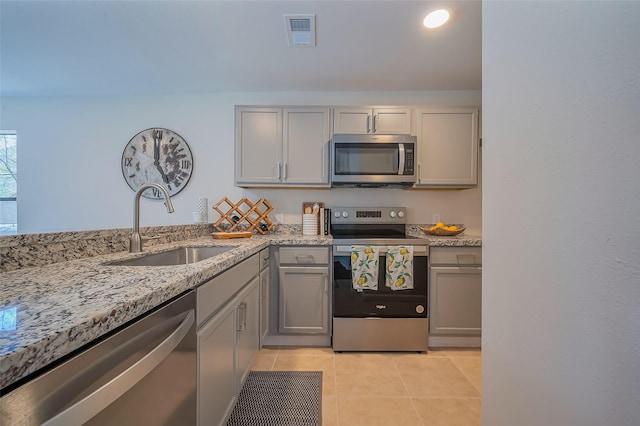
401,159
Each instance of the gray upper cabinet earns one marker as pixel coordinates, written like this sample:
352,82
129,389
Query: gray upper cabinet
353,120
286,146
447,148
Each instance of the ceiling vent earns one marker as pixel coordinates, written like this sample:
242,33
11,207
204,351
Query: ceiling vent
301,30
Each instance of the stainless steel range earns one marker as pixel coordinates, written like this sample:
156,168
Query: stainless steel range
377,310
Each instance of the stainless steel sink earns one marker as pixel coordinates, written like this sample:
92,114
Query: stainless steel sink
177,256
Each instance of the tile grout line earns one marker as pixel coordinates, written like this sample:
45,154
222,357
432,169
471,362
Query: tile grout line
465,376
335,384
406,388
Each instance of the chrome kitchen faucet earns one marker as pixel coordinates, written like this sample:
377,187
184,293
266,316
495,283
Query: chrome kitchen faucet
135,241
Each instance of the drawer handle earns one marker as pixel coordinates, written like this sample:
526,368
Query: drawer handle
461,258
308,257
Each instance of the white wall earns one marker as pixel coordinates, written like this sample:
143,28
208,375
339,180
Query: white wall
69,153
561,213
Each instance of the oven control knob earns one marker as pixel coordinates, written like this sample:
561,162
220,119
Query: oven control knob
345,214
419,309
337,214
392,213
400,213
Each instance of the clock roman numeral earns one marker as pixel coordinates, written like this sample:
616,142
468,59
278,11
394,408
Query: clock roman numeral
156,192
127,161
185,164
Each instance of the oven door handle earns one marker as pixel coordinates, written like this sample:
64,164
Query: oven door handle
417,250
97,401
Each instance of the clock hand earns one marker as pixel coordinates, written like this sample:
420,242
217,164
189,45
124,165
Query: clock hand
156,151
156,155
164,176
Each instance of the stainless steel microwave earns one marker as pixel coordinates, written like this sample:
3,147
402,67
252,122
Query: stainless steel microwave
373,160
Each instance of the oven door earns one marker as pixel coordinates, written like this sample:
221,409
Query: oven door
383,302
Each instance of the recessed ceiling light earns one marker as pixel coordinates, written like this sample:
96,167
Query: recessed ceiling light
436,18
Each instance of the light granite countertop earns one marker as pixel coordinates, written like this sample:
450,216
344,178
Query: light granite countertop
62,307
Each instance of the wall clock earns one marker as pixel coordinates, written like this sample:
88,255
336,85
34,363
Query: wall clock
157,155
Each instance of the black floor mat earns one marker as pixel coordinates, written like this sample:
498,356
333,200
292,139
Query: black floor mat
282,398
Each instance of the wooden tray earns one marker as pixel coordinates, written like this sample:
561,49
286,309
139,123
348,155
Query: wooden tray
443,232
226,235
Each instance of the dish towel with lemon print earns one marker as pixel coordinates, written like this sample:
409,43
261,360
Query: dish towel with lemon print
364,267
399,271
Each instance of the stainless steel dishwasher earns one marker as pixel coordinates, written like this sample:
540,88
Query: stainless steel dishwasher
144,374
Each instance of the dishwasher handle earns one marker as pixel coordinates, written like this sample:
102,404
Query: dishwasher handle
94,403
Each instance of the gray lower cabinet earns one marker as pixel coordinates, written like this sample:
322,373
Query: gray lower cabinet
247,330
455,295
303,290
264,294
228,338
216,367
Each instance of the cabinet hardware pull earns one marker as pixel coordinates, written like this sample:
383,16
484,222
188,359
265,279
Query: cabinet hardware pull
279,170
244,315
308,257
368,122
471,257
284,171
241,316
373,130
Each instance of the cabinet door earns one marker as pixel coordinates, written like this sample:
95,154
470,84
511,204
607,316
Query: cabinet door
304,300
306,146
216,367
264,304
248,329
447,148
352,120
258,145
392,121
455,301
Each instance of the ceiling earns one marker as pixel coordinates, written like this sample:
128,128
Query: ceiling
88,47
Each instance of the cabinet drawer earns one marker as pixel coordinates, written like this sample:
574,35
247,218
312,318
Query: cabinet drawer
455,256
304,255
213,294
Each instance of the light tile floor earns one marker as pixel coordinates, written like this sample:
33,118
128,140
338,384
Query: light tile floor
439,388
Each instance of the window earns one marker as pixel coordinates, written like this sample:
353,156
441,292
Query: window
8,183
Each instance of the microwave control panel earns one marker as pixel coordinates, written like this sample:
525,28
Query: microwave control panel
409,162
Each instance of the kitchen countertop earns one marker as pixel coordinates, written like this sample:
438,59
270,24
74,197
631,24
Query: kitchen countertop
61,307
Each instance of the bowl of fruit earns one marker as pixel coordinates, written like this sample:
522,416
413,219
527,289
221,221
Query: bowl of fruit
442,230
